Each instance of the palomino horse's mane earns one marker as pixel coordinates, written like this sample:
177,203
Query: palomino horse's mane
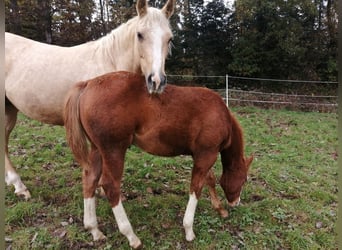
117,38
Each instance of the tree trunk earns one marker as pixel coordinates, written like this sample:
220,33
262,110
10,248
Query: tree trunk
45,16
15,26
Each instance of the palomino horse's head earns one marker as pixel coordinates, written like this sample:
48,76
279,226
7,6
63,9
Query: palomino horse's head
233,179
153,37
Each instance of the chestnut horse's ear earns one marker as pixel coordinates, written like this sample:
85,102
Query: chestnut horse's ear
249,161
168,8
141,7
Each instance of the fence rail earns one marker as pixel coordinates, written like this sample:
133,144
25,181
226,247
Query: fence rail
277,100
238,97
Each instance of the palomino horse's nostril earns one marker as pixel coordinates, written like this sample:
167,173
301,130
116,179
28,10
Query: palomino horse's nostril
162,80
156,83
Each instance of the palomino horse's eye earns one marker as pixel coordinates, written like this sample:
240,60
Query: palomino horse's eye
140,36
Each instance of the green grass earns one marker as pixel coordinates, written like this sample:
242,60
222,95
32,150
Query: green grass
289,201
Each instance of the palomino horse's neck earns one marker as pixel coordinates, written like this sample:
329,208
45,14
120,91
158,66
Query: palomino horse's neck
119,47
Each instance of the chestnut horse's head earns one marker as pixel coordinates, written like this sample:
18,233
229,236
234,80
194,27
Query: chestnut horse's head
233,179
153,39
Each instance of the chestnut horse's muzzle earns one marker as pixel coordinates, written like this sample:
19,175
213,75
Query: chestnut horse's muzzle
156,83
234,203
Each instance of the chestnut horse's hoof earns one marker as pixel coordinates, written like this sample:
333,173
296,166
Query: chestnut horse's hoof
98,235
100,192
223,212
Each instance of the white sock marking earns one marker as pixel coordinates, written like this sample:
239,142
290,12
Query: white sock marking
14,179
125,226
90,220
188,220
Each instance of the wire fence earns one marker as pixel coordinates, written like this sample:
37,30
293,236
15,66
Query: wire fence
268,93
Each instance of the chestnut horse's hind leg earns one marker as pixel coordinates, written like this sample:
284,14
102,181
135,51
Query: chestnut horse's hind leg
11,176
202,165
215,201
113,165
90,179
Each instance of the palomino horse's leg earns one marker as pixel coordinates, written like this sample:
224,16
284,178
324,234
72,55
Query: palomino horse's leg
215,201
11,176
202,164
113,165
90,178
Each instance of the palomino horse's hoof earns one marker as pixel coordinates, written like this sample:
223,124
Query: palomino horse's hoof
24,193
138,245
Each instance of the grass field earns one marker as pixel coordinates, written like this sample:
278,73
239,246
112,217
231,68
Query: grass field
289,201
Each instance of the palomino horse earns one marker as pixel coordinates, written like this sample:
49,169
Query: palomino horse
38,75
115,110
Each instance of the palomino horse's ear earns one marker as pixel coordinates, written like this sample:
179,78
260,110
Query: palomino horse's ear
249,161
141,7
168,8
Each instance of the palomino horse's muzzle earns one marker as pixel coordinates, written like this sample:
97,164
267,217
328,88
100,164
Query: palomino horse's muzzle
156,83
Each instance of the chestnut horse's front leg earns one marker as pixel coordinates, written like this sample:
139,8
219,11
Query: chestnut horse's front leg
113,165
202,165
189,216
215,201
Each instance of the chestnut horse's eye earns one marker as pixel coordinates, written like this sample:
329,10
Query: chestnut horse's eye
140,36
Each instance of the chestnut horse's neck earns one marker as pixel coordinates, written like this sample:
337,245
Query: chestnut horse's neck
237,137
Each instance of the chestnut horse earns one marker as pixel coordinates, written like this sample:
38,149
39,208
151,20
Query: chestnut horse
38,76
115,110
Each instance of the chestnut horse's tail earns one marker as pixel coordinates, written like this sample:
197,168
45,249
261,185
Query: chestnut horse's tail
76,136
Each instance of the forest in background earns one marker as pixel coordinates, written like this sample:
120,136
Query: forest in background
283,39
